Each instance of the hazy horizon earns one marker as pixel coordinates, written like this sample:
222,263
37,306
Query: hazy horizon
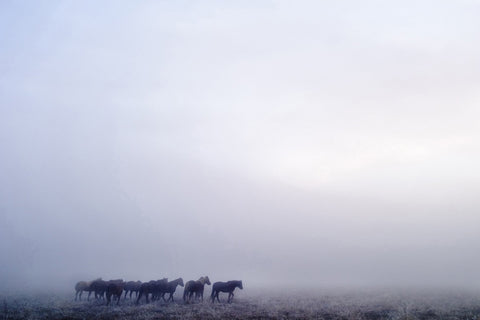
299,144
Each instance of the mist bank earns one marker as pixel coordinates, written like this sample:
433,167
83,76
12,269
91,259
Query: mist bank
188,220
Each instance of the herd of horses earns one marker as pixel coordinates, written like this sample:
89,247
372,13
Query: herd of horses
154,290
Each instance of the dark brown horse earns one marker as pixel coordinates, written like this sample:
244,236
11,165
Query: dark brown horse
170,289
132,286
150,287
158,288
228,286
99,287
83,286
114,288
195,287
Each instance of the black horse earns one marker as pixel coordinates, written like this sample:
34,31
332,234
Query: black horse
228,286
195,287
170,289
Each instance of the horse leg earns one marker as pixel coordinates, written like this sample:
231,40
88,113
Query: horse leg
230,297
171,297
119,296
216,294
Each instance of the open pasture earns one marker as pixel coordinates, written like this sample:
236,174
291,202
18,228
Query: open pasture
259,304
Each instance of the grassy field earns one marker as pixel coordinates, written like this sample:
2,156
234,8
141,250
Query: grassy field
258,304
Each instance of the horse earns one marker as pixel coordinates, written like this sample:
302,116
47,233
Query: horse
99,286
83,286
150,287
115,288
132,286
159,287
170,288
228,286
195,287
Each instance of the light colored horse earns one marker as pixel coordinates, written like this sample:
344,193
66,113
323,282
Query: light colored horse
83,286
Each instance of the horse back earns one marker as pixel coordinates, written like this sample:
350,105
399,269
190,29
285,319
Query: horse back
115,287
81,285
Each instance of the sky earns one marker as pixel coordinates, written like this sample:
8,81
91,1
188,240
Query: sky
283,143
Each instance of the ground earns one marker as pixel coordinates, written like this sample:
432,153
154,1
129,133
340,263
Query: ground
258,304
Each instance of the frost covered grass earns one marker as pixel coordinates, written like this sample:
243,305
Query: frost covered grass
259,304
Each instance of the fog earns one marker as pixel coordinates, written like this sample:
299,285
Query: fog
308,144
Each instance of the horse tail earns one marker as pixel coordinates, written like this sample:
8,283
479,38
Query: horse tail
212,296
185,291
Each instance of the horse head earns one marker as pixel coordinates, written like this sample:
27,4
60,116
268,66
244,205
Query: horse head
240,284
206,280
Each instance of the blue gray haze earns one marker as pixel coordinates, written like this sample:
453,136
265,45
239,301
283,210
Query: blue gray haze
284,143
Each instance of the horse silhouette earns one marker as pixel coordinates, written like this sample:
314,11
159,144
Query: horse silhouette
151,287
195,287
228,286
170,288
115,288
83,286
158,288
99,286
132,286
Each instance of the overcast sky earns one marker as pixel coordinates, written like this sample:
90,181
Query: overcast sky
278,142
